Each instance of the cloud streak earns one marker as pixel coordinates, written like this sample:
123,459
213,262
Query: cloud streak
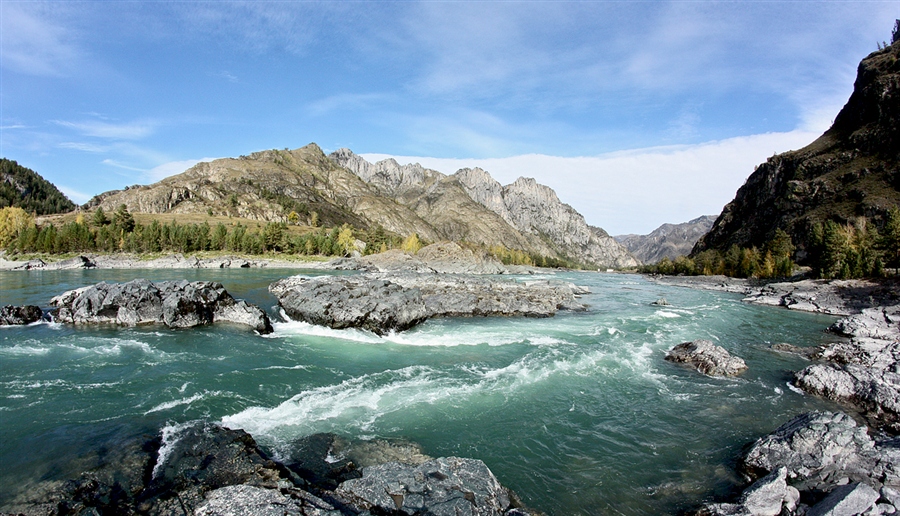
128,131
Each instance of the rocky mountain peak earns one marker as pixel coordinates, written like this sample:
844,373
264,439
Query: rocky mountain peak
387,174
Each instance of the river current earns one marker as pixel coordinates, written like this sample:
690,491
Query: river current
579,413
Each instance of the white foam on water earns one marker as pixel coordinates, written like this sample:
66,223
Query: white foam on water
794,388
298,367
171,433
667,314
364,402
183,401
19,350
295,328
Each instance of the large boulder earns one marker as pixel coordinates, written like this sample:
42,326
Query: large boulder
823,449
708,358
441,487
17,315
394,302
177,304
820,463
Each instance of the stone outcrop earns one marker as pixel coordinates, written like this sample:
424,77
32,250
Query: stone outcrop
18,315
667,241
394,302
708,358
862,373
816,464
852,170
214,471
177,304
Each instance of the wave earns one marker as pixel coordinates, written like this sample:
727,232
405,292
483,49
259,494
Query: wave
366,403
184,401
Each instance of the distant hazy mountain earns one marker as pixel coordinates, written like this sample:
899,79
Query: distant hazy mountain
344,188
851,171
24,188
668,240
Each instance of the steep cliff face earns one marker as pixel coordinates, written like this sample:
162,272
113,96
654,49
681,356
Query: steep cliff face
851,171
471,205
667,241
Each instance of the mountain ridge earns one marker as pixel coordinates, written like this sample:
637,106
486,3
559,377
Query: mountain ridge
668,240
307,186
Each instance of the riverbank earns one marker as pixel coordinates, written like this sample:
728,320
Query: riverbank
172,261
441,257
822,463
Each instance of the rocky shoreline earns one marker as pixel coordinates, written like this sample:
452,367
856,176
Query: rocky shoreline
824,463
215,471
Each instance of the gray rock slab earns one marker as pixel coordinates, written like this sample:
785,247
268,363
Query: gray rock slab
707,357
448,486
394,302
177,304
847,500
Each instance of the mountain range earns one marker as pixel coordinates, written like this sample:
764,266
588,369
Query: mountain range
667,241
305,184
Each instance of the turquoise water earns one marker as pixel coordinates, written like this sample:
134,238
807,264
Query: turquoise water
579,413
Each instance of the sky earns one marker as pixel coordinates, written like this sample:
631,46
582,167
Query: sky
637,113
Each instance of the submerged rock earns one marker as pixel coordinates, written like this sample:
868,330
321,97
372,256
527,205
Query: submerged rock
177,304
394,302
708,358
18,315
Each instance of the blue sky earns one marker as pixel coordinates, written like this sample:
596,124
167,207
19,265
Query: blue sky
637,113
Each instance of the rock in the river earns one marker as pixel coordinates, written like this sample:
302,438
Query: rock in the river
17,315
846,500
382,303
442,487
708,358
177,304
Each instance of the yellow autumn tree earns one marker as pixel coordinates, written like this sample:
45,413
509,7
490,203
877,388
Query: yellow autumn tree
13,220
411,244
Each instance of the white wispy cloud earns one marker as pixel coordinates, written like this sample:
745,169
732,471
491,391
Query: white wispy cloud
84,147
77,196
635,191
99,129
343,102
172,168
123,166
32,44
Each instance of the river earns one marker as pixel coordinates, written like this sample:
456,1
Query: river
579,413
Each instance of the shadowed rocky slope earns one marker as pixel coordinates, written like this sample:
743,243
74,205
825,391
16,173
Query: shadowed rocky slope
853,170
